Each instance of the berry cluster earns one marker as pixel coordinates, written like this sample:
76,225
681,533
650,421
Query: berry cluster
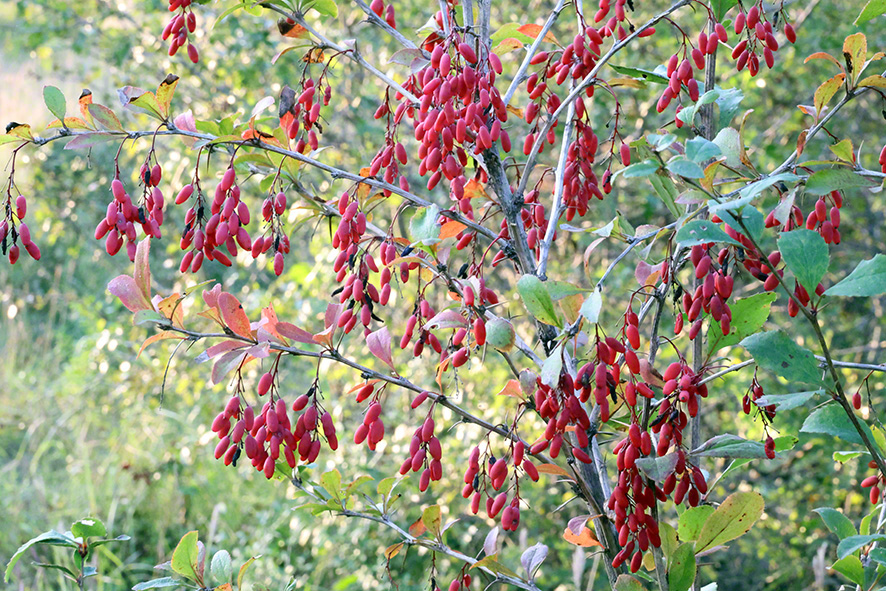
11,234
712,293
759,38
122,214
179,28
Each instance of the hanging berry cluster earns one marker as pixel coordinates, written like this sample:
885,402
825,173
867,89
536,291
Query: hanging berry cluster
180,27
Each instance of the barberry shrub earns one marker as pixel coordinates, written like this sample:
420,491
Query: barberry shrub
501,147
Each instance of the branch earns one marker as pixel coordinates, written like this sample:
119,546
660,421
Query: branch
380,23
409,539
559,187
352,54
520,76
336,173
587,81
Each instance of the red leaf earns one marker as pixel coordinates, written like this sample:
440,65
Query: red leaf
379,343
143,267
233,315
126,288
223,347
291,331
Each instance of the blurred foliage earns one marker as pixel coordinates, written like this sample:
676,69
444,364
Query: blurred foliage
88,429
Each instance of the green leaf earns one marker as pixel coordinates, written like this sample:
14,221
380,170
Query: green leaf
431,518
242,571
878,554
562,289
685,168
871,10
537,300
552,367
851,568
836,522
331,481
510,31
591,307
60,567
640,73
681,568
51,538
492,564
658,468
729,142
386,485
220,567
787,401
87,528
692,520
120,538
627,583
325,7
825,181
700,149
145,317
806,255
148,102
738,212
843,150
157,584
661,142
778,353
732,519
423,226
55,101
185,556
640,169
867,279
702,232
748,316
757,187
852,544
666,190
730,447
832,420
729,102
847,456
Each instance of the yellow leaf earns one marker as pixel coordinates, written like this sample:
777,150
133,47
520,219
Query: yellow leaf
628,82
826,91
516,111
875,81
392,551
585,539
820,55
172,306
855,51
225,587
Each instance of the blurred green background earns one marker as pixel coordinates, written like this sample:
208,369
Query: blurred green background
84,429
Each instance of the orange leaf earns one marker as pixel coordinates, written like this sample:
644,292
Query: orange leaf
512,388
84,101
450,229
553,469
474,190
291,30
417,528
533,30
233,315
585,539
160,336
